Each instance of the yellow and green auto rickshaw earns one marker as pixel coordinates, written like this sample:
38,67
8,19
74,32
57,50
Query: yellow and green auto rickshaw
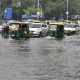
19,30
56,29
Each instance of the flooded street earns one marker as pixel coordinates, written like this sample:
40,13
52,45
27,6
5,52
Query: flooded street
40,59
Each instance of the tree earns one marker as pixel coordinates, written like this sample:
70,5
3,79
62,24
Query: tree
51,8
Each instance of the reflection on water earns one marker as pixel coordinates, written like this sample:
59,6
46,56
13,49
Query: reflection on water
40,59
5,36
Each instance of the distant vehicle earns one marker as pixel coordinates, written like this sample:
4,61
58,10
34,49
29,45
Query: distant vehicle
10,21
71,29
38,29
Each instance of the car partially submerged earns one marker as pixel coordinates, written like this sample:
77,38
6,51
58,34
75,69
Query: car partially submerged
71,28
38,29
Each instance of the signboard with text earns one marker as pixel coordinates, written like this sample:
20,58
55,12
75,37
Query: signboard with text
8,13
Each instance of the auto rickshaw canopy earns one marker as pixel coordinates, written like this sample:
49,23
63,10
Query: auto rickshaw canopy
57,23
18,22
17,25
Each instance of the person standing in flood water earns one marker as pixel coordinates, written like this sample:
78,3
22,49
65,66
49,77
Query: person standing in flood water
6,29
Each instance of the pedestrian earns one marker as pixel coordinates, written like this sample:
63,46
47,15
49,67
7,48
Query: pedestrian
6,29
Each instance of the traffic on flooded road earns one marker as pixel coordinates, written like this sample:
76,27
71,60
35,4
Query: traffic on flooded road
40,58
39,40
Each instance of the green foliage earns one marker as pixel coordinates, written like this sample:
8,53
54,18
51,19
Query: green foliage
30,10
51,8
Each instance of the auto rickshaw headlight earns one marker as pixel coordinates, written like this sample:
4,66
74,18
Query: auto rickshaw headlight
25,32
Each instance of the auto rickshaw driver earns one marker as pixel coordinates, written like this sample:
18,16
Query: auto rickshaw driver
22,31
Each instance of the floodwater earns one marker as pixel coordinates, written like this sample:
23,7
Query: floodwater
40,59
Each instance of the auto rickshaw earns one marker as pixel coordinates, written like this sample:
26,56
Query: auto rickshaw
19,30
56,29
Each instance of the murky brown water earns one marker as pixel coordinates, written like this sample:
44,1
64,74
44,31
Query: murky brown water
40,59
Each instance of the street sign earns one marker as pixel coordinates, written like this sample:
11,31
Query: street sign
8,13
